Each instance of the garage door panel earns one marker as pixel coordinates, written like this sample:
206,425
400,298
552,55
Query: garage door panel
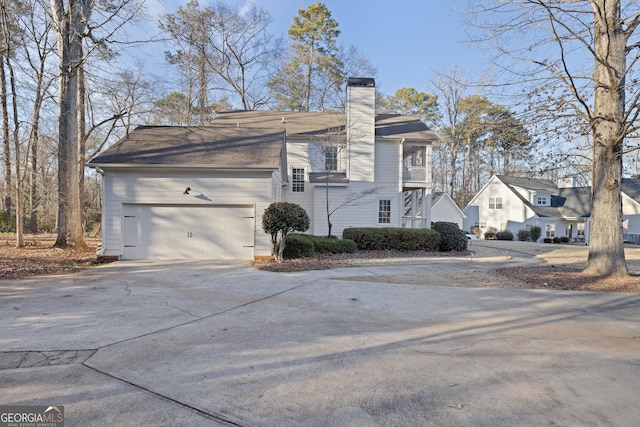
190,232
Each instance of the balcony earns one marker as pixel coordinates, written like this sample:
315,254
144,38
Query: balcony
415,177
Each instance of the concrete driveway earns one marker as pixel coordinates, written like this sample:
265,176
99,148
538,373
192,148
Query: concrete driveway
204,344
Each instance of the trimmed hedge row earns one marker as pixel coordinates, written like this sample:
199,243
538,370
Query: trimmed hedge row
333,246
402,239
297,246
304,245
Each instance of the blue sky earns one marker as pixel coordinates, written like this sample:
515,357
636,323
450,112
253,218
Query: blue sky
407,40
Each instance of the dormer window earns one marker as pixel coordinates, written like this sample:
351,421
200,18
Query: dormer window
542,200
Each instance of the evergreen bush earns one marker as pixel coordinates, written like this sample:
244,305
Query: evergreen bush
402,239
523,235
534,233
452,237
333,245
504,235
298,246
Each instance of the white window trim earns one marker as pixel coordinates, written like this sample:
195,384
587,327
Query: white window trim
495,203
378,211
304,179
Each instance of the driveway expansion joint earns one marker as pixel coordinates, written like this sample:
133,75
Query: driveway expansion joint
38,358
212,415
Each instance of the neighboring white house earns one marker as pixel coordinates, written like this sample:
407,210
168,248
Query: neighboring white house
559,209
200,192
444,209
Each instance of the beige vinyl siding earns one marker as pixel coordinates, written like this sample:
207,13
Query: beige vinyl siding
167,187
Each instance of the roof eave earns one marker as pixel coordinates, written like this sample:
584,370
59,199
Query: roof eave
181,166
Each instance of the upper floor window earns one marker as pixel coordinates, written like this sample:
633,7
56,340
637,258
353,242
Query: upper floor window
384,211
331,158
297,180
542,200
495,202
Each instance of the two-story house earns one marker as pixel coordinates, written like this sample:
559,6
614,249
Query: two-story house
199,192
558,208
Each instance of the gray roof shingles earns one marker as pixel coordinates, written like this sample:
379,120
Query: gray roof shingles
243,138
310,124
204,146
572,202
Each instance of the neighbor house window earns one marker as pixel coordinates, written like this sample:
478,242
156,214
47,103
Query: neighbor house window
550,230
331,158
297,180
541,200
495,202
503,226
580,230
384,211
481,224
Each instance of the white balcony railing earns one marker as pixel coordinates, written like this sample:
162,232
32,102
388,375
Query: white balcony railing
415,174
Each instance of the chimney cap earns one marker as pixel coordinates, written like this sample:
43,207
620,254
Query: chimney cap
361,81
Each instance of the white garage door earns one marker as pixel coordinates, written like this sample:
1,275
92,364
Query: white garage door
188,232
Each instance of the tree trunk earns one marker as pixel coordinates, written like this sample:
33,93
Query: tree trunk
6,142
452,168
82,133
606,248
69,26
16,150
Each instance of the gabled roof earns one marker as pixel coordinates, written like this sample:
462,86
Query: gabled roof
206,146
312,124
438,196
574,202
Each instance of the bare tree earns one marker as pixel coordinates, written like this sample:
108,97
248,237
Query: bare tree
73,24
588,50
37,51
326,154
219,42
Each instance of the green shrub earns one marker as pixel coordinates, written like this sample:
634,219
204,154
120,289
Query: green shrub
504,235
401,239
564,239
556,240
547,240
523,235
279,220
298,246
534,233
333,245
452,238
